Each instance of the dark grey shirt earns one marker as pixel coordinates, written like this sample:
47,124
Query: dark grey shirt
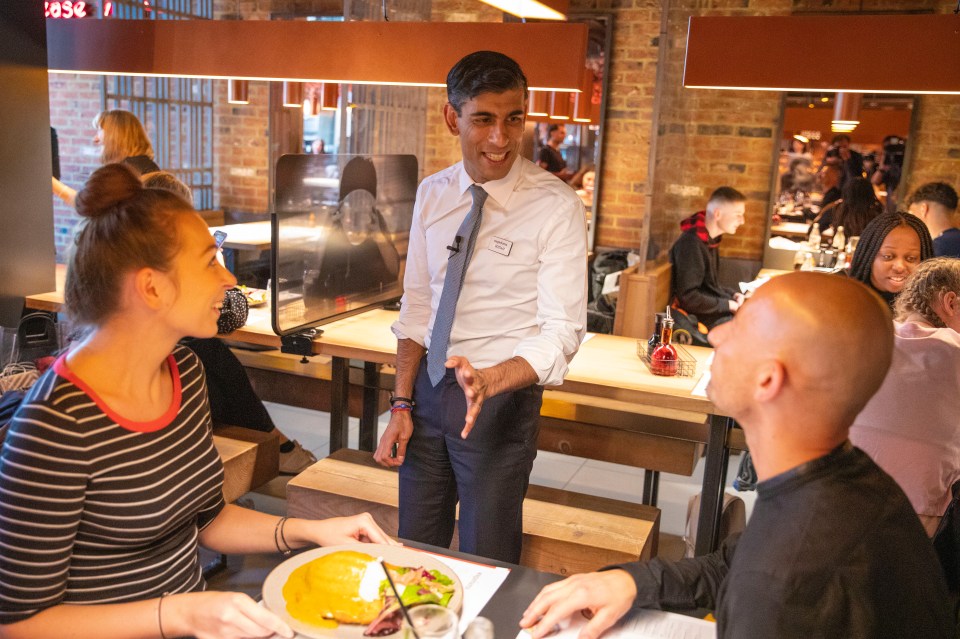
833,549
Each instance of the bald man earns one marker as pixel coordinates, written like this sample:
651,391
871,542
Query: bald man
833,548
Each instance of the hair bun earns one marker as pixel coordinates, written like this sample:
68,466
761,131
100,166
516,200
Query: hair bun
107,187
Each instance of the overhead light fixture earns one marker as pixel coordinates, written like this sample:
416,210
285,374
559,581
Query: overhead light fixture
760,53
294,50
538,9
538,103
560,105
846,112
330,96
238,91
582,101
293,94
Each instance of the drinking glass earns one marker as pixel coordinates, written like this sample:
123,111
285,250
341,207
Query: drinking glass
432,621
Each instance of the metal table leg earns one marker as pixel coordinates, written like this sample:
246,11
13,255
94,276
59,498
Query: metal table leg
714,479
339,398
651,487
368,416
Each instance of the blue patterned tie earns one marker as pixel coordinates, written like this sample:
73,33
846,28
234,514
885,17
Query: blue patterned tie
452,282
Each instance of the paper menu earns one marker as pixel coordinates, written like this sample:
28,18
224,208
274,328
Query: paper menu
480,582
643,624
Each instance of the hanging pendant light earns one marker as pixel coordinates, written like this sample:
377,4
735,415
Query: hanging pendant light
331,96
582,101
538,103
846,112
292,94
559,105
539,9
238,91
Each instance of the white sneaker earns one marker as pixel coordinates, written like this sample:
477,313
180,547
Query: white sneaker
297,460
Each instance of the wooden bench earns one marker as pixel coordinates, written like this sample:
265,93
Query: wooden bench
563,532
286,379
655,439
250,459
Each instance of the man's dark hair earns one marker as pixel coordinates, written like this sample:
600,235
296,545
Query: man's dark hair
552,128
727,194
842,136
483,72
938,192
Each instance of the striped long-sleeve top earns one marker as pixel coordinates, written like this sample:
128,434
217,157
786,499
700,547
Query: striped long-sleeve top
95,508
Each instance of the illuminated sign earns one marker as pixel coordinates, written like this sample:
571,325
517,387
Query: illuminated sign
67,9
62,9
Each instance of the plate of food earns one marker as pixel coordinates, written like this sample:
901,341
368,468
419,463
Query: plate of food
255,296
342,591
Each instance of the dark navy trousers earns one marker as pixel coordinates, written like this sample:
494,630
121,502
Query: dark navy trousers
487,473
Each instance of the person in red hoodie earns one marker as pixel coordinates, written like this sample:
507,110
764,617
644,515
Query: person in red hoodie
694,281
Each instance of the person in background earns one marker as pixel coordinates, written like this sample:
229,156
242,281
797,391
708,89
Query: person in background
694,278
232,399
833,548
830,176
857,208
936,204
482,330
550,159
890,248
891,167
849,161
109,479
911,427
123,139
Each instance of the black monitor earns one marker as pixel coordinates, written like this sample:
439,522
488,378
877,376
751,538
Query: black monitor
339,235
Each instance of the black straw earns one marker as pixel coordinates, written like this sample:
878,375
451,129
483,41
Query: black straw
406,613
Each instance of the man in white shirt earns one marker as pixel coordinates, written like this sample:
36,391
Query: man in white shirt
465,427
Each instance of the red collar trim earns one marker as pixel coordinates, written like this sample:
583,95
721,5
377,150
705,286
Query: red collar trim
63,370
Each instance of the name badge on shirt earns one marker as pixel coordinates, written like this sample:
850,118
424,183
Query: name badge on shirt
500,245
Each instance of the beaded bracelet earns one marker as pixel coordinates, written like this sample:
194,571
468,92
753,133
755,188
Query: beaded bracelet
401,408
160,617
405,400
278,535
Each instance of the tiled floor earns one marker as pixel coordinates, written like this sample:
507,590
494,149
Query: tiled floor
550,469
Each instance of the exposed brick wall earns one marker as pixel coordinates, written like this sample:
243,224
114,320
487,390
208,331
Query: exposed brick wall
711,138
74,102
935,149
241,150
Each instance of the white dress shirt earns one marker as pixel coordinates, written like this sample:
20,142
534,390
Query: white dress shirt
524,293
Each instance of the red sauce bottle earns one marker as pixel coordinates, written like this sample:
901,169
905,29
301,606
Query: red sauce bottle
664,359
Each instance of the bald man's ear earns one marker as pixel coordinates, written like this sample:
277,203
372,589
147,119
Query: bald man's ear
769,381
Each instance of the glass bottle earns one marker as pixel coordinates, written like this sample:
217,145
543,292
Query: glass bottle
815,236
839,240
654,340
664,359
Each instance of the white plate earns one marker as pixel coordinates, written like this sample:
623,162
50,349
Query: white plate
397,555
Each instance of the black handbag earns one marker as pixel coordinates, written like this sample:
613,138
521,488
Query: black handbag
946,541
234,313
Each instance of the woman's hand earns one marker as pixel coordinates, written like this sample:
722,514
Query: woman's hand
218,615
335,531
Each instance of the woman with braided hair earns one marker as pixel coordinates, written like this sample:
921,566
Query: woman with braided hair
911,427
890,248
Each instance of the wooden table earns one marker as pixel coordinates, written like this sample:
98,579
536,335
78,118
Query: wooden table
791,229
250,236
606,366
